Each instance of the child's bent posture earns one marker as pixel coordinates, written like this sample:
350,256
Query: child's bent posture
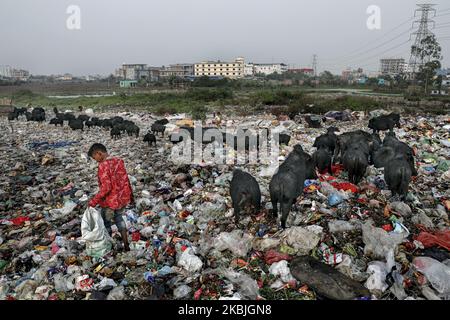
115,190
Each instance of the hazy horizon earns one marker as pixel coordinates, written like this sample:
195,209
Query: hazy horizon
34,35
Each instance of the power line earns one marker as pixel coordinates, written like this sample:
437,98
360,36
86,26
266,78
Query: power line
351,53
350,58
376,55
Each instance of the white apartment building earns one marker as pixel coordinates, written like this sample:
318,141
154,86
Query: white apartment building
232,70
269,68
393,67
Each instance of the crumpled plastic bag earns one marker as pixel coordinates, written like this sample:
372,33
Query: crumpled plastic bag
376,281
236,241
281,269
93,231
248,287
182,292
69,206
300,239
118,293
436,272
189,261
378,242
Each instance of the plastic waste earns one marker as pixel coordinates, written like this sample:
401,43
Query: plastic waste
351,268
182,292
69,206
238,242
422,219
376,281
106,283
265,243
378,242
281,269
84,283
436,272
335,199
118,293
401,208
94,233
429,293
328,254
189,261
300,239
336,226
25,290
247,287
164,271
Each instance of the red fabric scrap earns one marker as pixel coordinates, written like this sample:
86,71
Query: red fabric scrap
19,220
273,256
439,238
345,186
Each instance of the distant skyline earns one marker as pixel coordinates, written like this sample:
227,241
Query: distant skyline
34,35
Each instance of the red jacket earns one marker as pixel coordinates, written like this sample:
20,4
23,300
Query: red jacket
115,189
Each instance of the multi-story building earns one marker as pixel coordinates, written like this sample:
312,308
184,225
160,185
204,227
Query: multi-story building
354,76
6,71
137,72
12,73
251,69
393,67
65,77
305,71
232,70
180,70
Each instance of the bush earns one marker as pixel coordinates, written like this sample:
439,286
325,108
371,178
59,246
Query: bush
208,82
208,95
349,102
278,97
199,112
23,93
161,110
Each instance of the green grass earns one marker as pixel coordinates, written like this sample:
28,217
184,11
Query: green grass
198,100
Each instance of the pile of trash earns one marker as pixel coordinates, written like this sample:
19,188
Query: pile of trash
341,242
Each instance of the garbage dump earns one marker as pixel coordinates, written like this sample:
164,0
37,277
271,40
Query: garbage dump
342,240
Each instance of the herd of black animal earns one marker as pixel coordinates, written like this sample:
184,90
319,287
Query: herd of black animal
355,150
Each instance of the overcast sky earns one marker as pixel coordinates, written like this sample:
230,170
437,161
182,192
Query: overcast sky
34,35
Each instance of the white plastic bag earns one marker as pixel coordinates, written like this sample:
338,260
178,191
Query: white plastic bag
189,261
93,231
281,269
436,272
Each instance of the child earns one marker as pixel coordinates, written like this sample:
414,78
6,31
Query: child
115,190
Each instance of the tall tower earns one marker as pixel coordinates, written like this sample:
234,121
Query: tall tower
415,61
314,64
